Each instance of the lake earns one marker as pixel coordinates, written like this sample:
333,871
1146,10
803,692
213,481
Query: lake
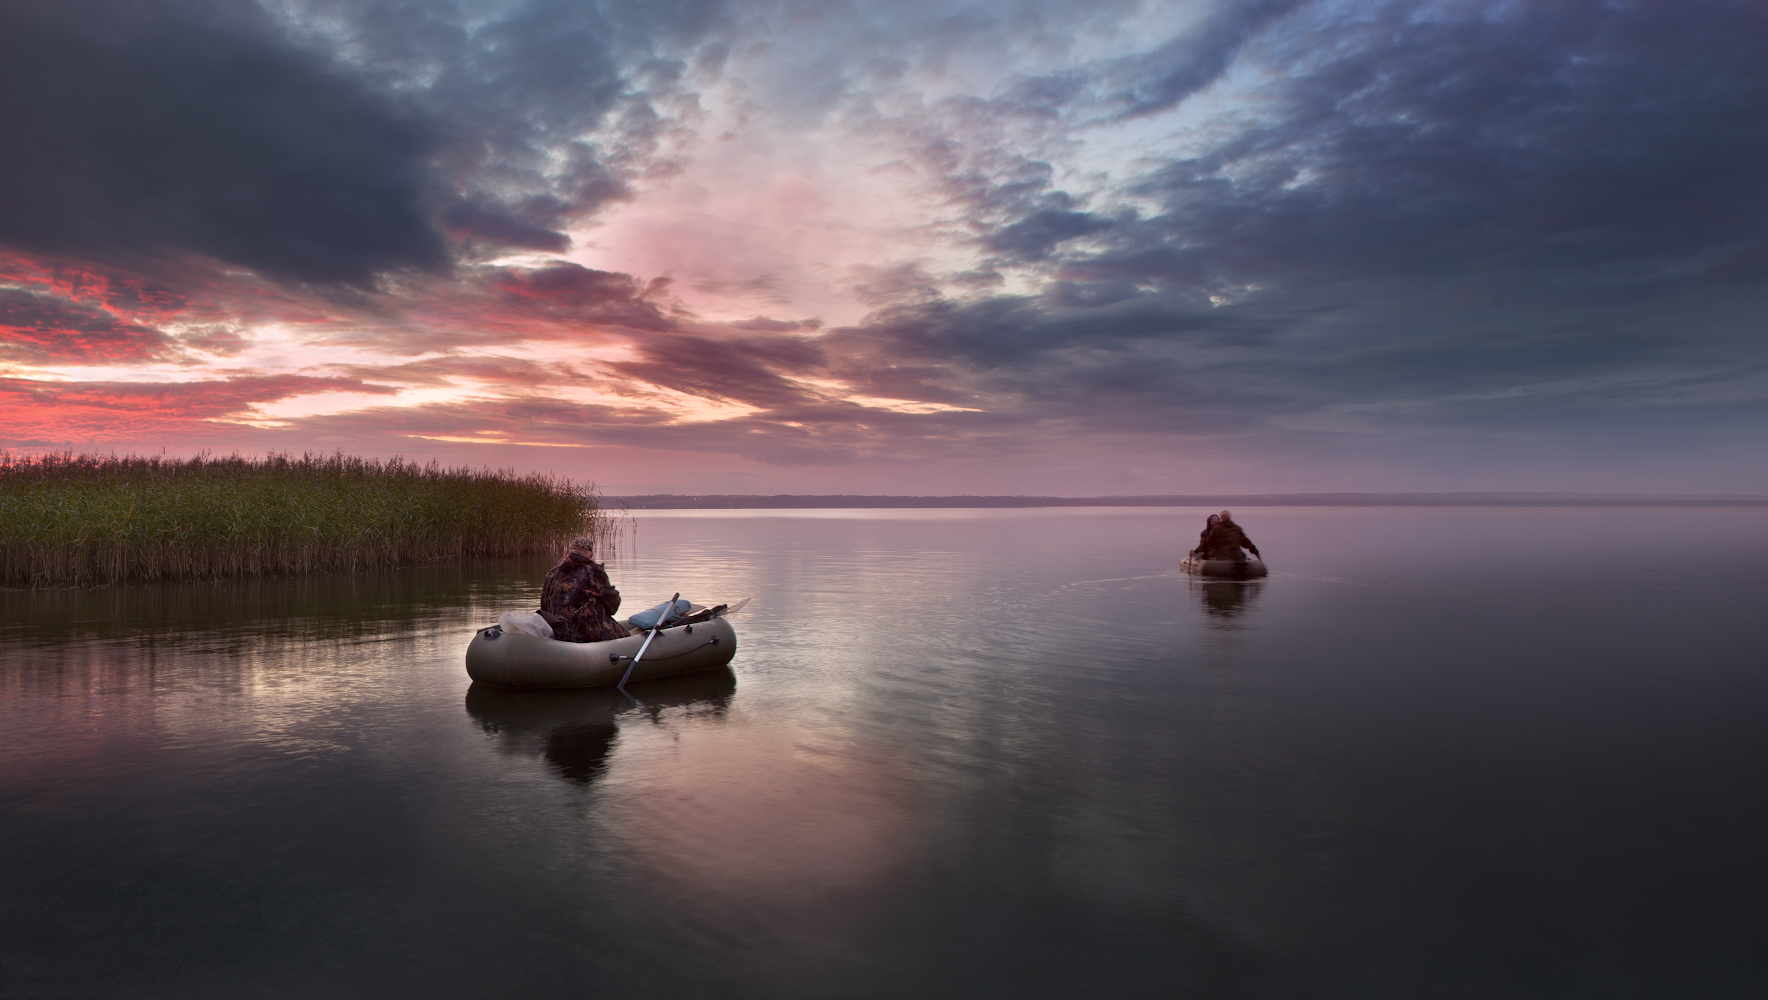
1439,752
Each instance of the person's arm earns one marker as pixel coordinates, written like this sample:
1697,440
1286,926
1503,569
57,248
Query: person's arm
1241,539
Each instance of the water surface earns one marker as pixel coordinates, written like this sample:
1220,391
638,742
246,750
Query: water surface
1438,752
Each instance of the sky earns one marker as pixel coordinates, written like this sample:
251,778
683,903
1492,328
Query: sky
1011,247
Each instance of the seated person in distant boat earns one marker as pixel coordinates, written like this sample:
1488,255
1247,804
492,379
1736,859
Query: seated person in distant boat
1203,537
1225,540
578,600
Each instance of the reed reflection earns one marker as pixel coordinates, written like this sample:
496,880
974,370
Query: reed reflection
268,612
575,731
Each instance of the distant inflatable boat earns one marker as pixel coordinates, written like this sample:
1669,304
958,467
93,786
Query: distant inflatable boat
1231,569
516,660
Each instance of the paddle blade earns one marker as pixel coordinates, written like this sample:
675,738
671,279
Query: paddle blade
733,609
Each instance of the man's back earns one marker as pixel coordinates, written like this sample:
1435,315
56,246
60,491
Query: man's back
1225,542
579,601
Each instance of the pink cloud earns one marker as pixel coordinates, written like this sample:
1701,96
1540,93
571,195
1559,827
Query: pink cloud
122,412
38,328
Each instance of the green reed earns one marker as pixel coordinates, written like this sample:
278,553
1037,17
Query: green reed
82,520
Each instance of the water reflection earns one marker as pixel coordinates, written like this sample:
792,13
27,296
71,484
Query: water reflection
1227,602
575,731
786,845
228,616
1013,755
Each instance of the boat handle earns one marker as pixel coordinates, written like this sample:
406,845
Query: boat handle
617,657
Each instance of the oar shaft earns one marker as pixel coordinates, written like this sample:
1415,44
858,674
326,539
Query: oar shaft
661,620
641,651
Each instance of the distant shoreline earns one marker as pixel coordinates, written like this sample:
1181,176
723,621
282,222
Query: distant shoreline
737,501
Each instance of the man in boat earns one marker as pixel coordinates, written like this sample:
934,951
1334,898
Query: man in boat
1225,540
578,600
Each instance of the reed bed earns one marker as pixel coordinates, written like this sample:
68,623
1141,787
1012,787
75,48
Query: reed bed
85,520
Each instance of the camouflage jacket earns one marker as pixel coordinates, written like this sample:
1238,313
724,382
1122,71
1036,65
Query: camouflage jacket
579,601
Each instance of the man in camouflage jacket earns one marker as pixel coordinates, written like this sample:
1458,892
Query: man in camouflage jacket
578,600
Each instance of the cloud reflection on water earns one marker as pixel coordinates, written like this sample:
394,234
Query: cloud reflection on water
786,848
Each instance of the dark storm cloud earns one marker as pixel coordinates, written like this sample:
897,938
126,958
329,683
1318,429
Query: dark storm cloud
323,143
139,129
476,222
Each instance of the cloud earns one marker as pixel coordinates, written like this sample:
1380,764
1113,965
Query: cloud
1444,216
752,370
545,110
572,292
517,373
476,223
1163,77
71,412
1036,235
157,129
322,143
1571,137
39,328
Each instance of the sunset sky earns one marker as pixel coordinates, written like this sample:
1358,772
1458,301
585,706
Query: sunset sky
1044,247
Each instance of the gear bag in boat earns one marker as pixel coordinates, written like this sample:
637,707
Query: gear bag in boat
660,614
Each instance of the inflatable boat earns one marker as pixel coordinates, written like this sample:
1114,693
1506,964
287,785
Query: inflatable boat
1231,569
517,660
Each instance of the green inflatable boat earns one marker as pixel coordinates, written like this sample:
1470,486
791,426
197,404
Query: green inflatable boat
513,659
1229,569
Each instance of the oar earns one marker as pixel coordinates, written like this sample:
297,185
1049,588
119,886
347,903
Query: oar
663,617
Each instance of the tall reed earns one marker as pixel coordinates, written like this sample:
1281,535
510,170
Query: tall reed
84,519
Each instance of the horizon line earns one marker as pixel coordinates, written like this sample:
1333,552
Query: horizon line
787,501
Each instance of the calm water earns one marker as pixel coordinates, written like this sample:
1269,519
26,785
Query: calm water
1438,753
